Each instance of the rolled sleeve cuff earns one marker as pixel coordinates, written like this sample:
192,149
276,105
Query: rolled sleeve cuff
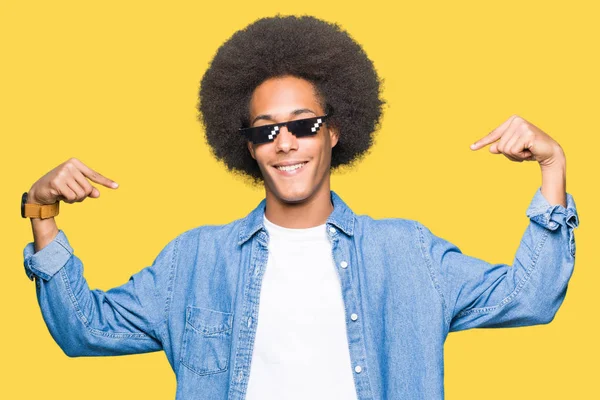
49,260
552,217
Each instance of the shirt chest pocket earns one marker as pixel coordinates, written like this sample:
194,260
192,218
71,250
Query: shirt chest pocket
206,340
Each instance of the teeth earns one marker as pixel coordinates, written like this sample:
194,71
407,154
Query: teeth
291,167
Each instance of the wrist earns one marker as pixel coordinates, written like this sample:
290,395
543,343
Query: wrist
554,182
44,232
31,197
557,162
34,209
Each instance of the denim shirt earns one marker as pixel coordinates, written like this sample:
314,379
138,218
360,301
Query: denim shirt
199,299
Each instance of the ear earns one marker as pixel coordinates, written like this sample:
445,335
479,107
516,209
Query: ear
251,149
333,136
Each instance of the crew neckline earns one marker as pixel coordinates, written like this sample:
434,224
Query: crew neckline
312,233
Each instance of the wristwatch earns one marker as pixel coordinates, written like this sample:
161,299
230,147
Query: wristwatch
42,211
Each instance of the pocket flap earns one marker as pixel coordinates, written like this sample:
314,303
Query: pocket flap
207,321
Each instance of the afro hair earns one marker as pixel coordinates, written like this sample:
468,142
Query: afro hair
344,78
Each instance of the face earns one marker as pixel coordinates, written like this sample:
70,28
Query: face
284,99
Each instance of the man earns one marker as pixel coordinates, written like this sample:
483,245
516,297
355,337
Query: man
302,298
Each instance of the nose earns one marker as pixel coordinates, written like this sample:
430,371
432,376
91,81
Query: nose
285,140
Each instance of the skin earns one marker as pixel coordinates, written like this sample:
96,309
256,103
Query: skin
520,140
302,201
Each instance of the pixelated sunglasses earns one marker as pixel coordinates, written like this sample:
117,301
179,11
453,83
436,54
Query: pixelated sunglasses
298,127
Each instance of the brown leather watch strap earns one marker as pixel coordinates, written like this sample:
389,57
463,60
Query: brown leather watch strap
41,211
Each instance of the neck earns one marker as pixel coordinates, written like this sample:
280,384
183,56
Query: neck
308,213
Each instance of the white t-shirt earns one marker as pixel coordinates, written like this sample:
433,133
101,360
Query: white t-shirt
301,347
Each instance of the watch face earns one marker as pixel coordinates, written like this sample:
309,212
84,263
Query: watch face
23,201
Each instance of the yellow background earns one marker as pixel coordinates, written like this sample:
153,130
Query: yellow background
115,84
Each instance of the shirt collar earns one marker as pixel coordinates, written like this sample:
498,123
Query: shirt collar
341,217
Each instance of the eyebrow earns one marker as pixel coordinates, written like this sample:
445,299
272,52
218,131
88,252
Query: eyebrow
269,117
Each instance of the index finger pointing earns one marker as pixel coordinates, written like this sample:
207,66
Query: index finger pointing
493,135
95,176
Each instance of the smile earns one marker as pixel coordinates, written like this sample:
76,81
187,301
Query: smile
291,168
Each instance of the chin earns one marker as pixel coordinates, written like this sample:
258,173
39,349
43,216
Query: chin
292,196
292,190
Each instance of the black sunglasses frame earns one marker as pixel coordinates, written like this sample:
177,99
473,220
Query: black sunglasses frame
299,128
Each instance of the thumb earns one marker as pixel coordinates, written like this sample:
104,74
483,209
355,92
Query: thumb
95,193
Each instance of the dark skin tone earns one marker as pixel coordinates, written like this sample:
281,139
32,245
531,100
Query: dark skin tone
298,198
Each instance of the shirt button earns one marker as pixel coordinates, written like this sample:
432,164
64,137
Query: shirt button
358,369
354,317
249,322
332,230
344,264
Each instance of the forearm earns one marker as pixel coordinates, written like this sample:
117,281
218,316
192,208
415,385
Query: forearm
44,231
528,292
93,322
554,181
87,322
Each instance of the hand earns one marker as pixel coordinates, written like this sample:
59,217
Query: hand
520,141
67,182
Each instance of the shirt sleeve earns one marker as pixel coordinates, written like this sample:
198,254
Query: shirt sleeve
84,322
478,294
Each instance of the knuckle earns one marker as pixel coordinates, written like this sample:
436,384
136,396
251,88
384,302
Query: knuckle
65,172
529,133
54,184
